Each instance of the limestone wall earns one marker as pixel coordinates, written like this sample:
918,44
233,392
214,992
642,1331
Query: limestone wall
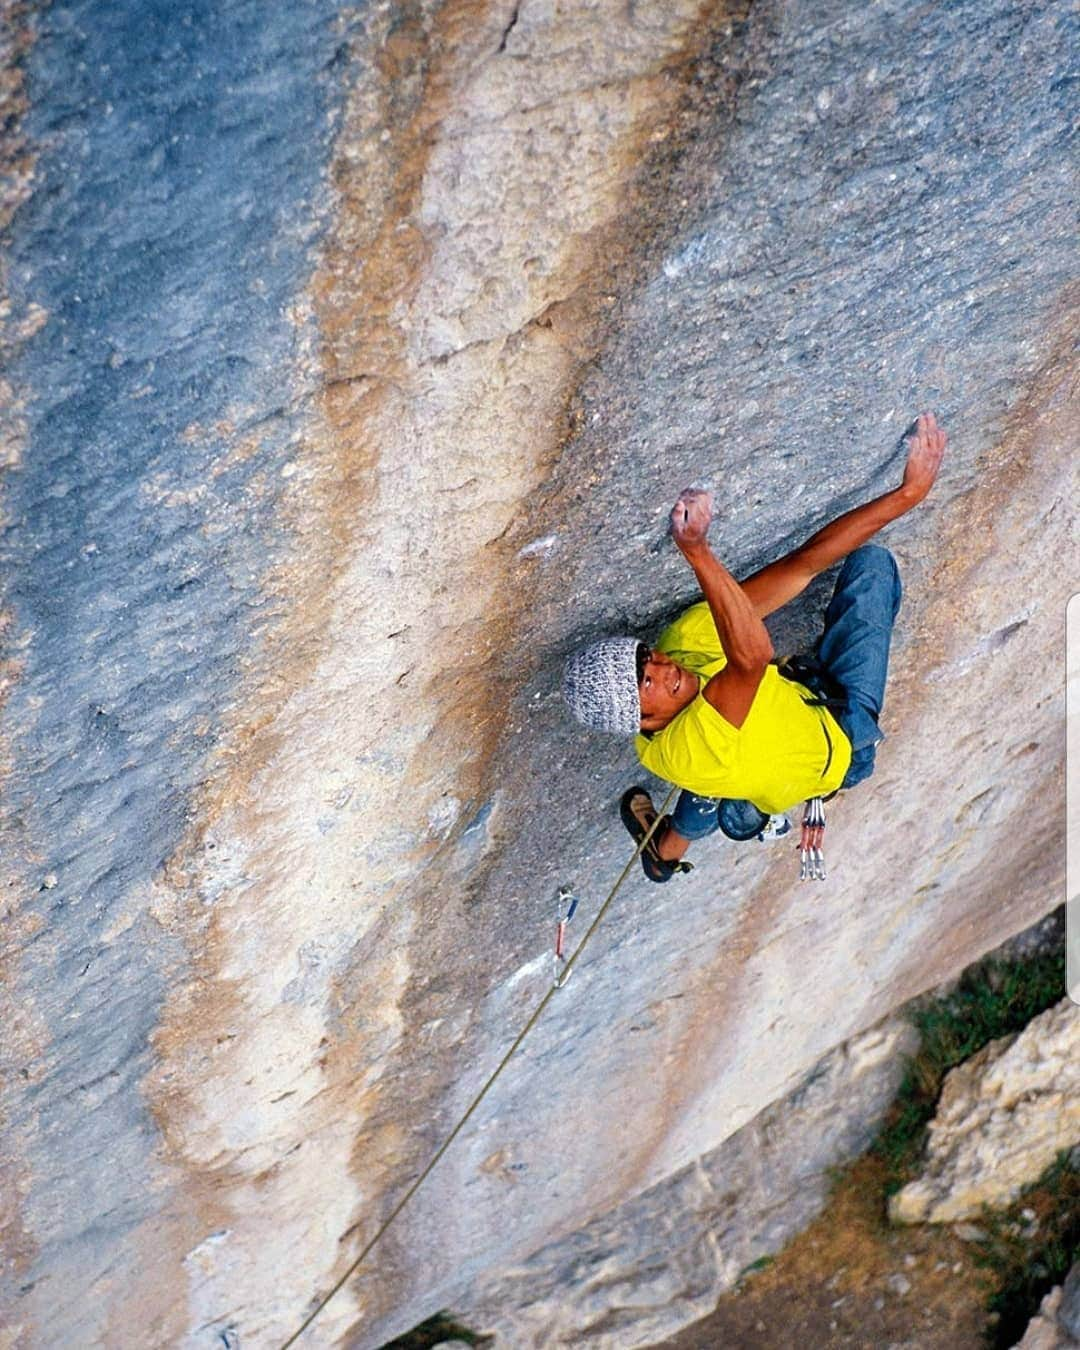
353,357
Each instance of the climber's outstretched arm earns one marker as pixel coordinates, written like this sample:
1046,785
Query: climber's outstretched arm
743,636
781,581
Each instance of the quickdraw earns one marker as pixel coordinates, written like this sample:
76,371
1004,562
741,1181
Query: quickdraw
565,897
811,855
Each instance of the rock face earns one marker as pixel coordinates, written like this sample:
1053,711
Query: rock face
653,1265
1003,1116
1057,1325
353,357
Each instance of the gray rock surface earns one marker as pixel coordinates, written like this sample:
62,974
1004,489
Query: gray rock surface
1056,1326
176,161
654,1265
352,360
1069,1308
1048,935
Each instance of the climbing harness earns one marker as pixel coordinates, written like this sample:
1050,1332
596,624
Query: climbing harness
565,897
808,671
811,855
564,975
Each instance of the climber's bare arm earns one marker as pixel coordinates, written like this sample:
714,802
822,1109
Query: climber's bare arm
781,581
745,639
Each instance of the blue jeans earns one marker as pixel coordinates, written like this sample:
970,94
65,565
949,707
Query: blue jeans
854,649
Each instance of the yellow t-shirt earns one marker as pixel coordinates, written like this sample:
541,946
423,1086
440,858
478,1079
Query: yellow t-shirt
784,752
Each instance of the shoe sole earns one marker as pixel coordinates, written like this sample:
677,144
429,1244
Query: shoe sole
652,865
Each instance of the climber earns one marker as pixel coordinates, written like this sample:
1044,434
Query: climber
711,712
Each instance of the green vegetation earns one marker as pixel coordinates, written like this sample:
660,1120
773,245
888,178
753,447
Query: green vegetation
992,1000
438,1328
1025,1256
760,1264
1029,1255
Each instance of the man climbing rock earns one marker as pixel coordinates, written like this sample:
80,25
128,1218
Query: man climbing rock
745,739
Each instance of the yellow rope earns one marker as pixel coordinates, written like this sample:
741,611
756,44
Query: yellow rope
564,975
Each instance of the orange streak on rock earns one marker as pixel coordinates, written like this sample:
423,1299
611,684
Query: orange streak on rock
289,1078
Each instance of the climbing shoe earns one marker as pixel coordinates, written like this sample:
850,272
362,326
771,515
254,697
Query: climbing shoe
776,828
638,814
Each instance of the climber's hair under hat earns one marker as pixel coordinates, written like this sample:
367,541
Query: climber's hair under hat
600,684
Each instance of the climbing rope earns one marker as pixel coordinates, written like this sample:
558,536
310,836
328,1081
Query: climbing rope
564,975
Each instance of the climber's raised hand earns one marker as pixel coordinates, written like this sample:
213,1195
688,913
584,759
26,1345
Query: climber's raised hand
926,446
690,518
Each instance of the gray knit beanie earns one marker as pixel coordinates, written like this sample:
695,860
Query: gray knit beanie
600,685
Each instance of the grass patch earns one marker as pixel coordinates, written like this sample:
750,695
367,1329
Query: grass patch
762,1263
1027,1257
441,1327
993,999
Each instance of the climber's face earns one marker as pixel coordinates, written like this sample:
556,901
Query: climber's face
664,690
